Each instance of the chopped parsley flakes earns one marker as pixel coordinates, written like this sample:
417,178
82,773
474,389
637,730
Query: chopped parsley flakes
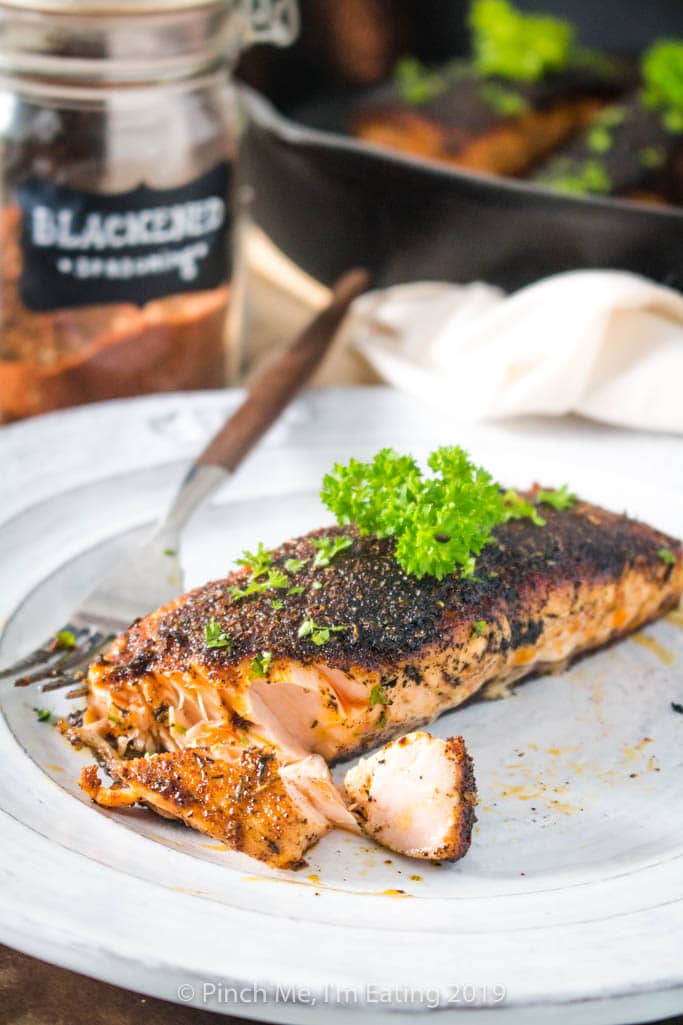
560,498
295,565
517,508
316,633
328,547
258,562
260,665
378,696
64,639
275,580
440,522
214,635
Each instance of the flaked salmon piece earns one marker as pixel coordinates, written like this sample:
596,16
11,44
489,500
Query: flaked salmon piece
416,796
250,803
404,651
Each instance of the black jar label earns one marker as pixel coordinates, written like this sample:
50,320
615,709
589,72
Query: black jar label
85,248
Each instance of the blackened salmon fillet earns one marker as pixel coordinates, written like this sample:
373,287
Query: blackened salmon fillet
345,656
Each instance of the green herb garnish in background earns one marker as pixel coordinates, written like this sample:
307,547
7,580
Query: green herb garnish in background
328,547
599,139
260,665
505,102
479,628
214,635
44,715
560,498
317,633
415,82
64,639
518,46
666,556
662,73
652,157
578,177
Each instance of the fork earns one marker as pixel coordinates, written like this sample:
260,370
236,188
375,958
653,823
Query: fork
150,575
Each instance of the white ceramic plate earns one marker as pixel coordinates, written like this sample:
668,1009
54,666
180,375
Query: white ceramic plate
569,899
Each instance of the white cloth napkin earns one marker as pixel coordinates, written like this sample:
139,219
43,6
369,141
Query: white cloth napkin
605,344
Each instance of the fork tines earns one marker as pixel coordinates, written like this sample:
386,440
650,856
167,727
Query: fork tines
56,665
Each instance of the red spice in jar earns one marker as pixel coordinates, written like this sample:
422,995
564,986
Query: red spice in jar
50,360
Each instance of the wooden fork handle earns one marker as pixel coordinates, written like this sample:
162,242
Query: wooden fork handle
274,386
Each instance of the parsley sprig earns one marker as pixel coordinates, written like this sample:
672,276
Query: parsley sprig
440,522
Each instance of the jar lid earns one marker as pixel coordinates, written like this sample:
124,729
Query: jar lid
269,21
111,6
222,29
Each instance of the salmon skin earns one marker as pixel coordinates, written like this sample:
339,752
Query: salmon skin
399,650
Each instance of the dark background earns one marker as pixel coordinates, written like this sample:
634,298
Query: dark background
356,42
331,202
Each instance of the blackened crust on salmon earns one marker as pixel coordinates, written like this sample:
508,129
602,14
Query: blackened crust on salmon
387,615
243,803
456,749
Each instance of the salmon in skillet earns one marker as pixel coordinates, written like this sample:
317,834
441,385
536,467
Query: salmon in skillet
393,651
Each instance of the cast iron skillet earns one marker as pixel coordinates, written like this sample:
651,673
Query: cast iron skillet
330,202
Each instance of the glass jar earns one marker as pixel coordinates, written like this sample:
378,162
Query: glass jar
118,126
